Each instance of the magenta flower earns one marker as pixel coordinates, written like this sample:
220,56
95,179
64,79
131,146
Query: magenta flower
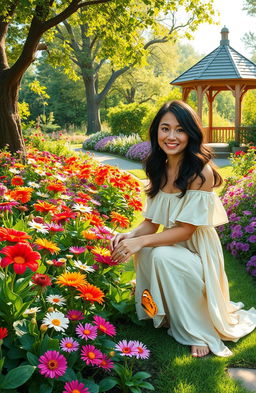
106,363
104,325
86,331
127,348
68,344
141,350
75,315
77,250
91,355
252,239
52,364
75,387
54,227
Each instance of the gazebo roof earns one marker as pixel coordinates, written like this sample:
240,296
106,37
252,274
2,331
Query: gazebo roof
222,63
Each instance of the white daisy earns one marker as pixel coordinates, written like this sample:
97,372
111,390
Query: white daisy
33,184
81,208
40,172
61,178
42,195
84,267
56,299
66,197
32,310
56,320
31,161
15,171
38,226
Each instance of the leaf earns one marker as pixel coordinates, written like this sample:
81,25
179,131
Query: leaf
92,386
107,384
21,284
45,388
135,390
147,385
141,375
48,344
27,341
68,376
15,353
17,377
33,359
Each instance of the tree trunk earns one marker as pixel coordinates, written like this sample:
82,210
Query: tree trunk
93,112
10,125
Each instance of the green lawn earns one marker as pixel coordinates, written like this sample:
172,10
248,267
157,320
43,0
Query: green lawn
172,368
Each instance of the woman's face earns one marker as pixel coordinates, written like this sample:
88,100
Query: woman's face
172,139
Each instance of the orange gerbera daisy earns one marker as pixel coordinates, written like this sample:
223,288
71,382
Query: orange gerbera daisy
11,235
45,207
44,244
94,220
89,235
137,205
17,181
91,293
22,194
72,279
101,174
56,187
119,219
85,171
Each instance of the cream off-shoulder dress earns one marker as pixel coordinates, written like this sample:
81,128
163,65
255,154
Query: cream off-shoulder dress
187,280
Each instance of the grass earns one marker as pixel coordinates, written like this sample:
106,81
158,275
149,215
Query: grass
172,368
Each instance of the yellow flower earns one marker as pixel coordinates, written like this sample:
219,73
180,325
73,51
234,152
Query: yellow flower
71,279
47,245
101,251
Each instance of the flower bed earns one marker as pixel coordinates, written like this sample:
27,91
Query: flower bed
239,199
59,285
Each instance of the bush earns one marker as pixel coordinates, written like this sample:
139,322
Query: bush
138,152
102,144
239,199
93,139
121,144
127,119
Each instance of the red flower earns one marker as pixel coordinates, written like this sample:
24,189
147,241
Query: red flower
17,181
11,235
3,333
56,187
22,256
41,280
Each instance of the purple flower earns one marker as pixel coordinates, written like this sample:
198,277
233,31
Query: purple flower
252,239
139,151
103,142
247,212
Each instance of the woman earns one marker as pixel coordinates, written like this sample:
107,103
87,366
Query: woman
182,267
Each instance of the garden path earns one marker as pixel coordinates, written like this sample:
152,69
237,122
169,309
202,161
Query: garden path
246,376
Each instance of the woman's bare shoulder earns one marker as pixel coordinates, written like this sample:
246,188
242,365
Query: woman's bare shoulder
207,172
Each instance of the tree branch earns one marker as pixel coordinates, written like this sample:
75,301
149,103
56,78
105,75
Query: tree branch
97,68
110,82
73,7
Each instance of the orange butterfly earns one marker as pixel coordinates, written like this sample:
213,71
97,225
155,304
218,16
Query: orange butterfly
148,303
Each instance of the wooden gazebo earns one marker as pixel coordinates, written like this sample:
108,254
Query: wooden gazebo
222,69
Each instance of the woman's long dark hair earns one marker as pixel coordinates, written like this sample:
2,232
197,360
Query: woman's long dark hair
196,155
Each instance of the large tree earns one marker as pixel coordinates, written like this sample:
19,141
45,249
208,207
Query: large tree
28,20
122,37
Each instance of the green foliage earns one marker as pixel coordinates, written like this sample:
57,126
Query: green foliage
127,119
242,162
47,123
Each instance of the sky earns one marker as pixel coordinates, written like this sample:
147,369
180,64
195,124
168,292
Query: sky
232,15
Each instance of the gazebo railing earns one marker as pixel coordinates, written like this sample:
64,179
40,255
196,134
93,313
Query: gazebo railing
225,134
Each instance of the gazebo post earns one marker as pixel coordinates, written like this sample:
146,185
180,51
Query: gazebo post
237,111
210,102
199,92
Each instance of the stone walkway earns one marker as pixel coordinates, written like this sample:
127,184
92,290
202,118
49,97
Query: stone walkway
246,376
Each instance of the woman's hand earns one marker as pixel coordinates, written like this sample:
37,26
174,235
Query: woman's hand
117,238
125,248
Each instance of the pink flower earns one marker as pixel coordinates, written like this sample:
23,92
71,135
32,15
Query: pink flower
106,259
52,364
77,250
75,315
104,326
54,227
86,331
127,348
106,363
142,351
68,344
75,386
91,355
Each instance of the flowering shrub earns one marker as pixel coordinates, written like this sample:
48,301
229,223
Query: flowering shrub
90,142
139,151
239,199
58,282
101,144
122,143
243,161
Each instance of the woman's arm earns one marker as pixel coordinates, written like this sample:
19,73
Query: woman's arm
146,227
